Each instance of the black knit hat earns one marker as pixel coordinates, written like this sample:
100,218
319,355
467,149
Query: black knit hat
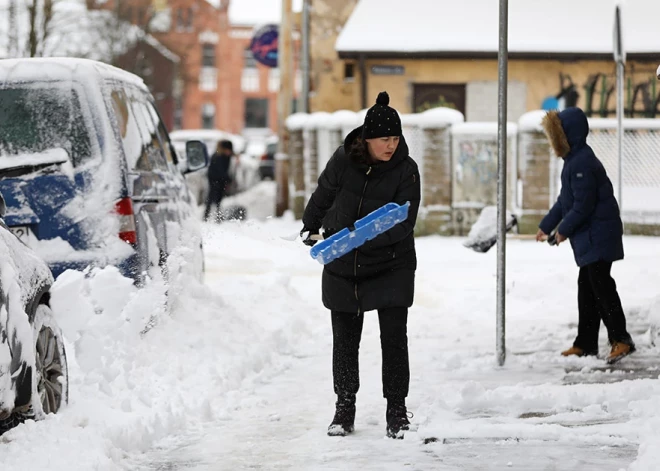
381,120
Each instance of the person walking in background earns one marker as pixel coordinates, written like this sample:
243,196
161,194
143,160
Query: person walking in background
219,177
371,169
587,214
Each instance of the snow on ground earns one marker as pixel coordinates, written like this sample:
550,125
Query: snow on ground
236,373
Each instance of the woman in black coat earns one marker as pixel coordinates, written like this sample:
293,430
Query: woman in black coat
587,214
371,169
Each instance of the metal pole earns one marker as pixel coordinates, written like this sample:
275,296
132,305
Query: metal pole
304,62
284,99
503,78
619,116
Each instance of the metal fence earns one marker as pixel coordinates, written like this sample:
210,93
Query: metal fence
640,196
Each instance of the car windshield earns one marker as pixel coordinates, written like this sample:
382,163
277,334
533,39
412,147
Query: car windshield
35,121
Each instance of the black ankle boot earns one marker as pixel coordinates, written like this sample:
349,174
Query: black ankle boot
344,421
397,418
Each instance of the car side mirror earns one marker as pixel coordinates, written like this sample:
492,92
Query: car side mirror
3,206
197,155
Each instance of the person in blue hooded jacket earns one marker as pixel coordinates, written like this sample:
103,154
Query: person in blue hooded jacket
587,214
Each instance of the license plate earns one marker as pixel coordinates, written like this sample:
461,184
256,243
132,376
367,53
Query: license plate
23,233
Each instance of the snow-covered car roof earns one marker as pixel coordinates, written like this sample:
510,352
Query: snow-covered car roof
62,69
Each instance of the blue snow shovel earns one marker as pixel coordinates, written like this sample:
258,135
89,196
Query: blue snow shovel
367,228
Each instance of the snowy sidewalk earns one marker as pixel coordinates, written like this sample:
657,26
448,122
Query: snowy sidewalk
238,374
540,411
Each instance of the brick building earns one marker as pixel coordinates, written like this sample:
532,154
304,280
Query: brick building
219,85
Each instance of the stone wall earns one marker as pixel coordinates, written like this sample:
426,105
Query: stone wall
459,168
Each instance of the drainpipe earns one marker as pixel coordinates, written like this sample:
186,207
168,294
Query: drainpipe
363,82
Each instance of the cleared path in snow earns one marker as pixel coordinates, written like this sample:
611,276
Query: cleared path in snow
470,414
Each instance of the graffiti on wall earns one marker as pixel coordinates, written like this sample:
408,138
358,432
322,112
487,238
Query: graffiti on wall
597,95
476,171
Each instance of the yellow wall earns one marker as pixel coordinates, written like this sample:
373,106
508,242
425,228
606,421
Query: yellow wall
542,78
329,90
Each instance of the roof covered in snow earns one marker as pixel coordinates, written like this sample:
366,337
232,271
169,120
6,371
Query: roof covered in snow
76,31
471,28
256,12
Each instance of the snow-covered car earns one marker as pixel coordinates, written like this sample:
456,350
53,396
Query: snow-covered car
243,169
88,171
267,160
33,368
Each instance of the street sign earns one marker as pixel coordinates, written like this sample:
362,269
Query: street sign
264,45
619,51
388,70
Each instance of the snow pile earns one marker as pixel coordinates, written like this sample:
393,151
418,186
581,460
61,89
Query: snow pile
483,232
482,129
440,117
259,200
296,121
531,121
141,371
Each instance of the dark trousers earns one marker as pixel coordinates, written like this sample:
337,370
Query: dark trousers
598,299
213,200
346,334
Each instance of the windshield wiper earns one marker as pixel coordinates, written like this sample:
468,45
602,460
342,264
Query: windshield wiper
21,170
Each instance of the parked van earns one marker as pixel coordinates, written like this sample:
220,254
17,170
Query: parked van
87,169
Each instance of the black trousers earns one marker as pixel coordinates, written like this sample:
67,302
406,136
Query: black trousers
598,299
346,334
213,200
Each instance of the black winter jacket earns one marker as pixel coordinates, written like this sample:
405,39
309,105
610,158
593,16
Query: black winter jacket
218,172
379,274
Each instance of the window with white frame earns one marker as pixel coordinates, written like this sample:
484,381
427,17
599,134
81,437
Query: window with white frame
208,79
250,80
274,80
208,55
249,62
208,116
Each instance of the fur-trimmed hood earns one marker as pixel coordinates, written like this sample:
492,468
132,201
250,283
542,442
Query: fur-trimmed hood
567,131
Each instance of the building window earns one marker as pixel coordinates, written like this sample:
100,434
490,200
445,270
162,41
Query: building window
249,62
208,79
349,71
274,80
208,116
250,80
208,55
179,19
178,113
256,112
189,23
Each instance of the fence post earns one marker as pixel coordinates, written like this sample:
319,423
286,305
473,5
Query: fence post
295,124
534,170
437,169
311,157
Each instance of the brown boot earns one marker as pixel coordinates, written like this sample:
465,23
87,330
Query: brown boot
619,350
577,351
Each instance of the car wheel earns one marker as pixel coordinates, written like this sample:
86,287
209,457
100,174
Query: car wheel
51,370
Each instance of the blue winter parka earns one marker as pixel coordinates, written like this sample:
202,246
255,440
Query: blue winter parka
586,210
